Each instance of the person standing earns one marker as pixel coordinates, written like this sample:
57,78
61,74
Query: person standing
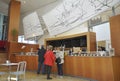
60,54
41,53
49,61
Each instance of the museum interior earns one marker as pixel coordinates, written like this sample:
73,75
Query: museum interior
86,30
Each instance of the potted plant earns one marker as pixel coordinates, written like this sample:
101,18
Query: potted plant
14,33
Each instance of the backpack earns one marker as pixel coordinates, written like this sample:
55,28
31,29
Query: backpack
58,60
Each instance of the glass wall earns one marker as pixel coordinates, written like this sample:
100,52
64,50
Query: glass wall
3,27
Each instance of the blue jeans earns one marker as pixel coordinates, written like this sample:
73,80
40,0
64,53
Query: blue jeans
41,67
60,69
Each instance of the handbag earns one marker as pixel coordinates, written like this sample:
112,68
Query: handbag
58,60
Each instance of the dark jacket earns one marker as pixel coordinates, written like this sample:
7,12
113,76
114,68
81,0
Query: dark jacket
41,53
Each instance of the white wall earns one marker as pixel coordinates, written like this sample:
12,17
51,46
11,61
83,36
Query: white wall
80,29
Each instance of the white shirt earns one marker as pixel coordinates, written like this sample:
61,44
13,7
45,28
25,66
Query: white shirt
61,55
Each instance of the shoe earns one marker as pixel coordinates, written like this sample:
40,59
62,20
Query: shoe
49,78
61,76
38,72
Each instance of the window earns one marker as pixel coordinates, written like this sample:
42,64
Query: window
3,26
102,31
22,40
103,35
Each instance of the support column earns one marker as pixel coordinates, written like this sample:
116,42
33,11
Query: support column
115,32
14,19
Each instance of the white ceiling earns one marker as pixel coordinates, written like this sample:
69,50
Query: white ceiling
26,5
72,13
4,6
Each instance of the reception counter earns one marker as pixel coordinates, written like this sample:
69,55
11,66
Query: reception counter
98,68
101,68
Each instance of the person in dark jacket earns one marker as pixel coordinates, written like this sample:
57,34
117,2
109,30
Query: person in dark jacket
41,53
49,61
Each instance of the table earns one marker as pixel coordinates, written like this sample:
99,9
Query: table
9,67
9,64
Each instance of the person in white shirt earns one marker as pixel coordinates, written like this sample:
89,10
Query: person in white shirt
60,54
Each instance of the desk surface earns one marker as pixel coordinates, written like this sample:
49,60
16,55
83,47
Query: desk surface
9,64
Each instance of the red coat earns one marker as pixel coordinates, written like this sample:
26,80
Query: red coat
49,58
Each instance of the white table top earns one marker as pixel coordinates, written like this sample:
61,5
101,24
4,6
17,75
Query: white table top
9,70
9,64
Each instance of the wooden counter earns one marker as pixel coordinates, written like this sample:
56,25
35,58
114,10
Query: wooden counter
32,61
98,68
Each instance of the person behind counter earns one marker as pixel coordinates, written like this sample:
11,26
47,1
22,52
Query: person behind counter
60,55
41,53
71,51
100,48
49,60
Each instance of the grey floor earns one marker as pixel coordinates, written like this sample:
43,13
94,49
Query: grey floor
32,76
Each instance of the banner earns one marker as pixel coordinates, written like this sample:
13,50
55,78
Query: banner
72,13
32,26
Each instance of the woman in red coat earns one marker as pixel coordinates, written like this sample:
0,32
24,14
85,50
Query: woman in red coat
49,60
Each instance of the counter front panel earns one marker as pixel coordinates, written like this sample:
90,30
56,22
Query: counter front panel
101,68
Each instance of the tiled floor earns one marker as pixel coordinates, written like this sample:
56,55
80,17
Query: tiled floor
32,76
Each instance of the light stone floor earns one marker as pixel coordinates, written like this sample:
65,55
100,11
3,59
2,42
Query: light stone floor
32,76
